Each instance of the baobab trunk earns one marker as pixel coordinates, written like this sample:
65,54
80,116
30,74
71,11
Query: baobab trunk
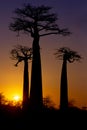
26,86
64,87
36,78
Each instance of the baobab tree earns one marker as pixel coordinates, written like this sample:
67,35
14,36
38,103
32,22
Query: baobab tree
38,22
23,53
67,55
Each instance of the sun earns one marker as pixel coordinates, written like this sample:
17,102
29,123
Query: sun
16,98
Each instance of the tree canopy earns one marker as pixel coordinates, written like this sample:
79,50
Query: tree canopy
67,54
29,17
21,53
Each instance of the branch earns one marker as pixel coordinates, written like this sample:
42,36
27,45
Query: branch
48,34
48,27
63,32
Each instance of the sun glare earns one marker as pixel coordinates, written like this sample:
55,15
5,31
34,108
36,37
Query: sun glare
16,98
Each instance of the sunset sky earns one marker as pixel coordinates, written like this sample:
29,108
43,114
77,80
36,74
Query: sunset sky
72,14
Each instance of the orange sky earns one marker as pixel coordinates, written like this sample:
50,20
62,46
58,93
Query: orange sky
11,78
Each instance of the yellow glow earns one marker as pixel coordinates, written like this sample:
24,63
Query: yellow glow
16,98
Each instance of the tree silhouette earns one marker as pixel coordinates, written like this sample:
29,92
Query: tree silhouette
48,103
38,22
69,55
23,53
2,99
